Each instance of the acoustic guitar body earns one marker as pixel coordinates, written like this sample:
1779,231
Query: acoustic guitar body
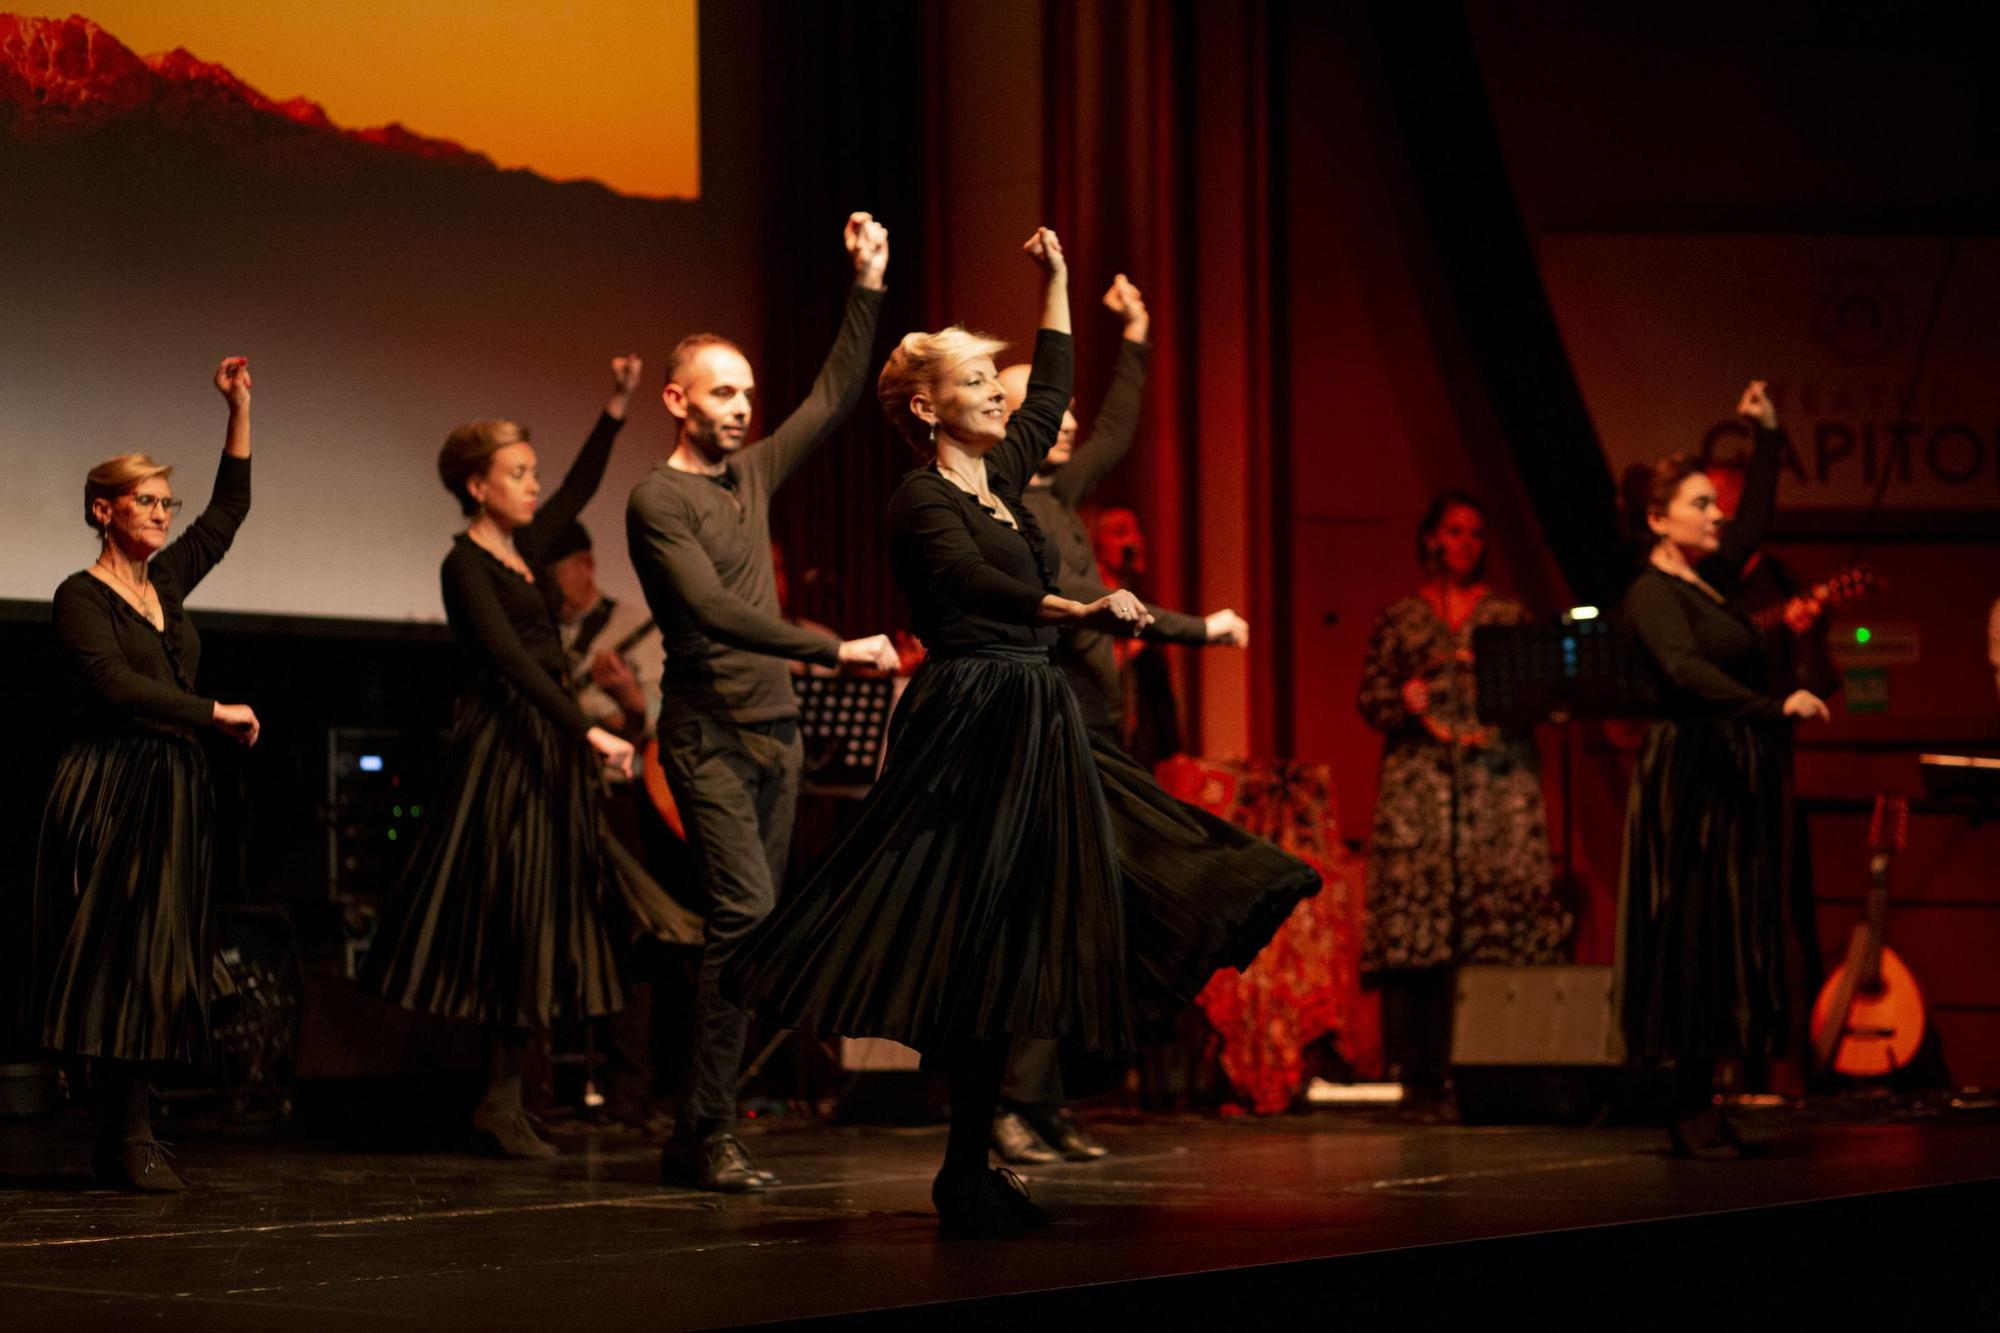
1885,1023
654,776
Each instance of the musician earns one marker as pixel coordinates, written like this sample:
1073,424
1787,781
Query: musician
1458,866
1702,948
614,657
612,647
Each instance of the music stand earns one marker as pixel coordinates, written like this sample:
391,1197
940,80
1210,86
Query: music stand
1559,672
843,722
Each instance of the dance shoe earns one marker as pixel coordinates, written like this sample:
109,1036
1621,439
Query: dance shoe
719,1164
1707,1135
1059,1129
146,1167
1016,1143
510,1134
985,1205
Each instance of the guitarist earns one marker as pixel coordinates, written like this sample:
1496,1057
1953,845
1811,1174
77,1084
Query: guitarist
613,653
612,647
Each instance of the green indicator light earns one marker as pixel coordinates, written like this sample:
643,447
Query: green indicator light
416,812
392,835
1863,634
397,812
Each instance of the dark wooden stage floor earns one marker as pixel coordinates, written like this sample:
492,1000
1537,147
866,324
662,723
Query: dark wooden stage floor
1331,1220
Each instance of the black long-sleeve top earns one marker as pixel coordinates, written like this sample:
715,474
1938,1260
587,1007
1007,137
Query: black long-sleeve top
1710,657
1086,656
970,578
507,627
129,676
702,549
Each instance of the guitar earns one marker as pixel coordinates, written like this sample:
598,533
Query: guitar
1843,586
1869,1019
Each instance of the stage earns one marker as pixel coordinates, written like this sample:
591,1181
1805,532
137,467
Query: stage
1332,1219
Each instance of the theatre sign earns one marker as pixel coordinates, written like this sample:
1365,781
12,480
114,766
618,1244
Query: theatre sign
1880,353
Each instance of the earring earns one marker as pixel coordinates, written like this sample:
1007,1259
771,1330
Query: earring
934,435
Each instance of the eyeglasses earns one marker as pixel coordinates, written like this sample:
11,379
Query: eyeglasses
146,504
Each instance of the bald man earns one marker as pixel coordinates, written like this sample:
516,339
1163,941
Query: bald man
699,531
1031,1125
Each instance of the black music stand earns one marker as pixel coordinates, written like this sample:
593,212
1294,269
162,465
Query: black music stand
1560,672
843,724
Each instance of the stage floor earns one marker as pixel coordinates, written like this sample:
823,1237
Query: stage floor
1365,1220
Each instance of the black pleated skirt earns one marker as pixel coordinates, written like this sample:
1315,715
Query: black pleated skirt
1702,922
121,901
508,910
1008,875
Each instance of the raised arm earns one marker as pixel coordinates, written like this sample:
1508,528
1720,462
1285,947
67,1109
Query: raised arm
668,558
843,378
201,546
1751,522
1657,615
586,471
1117,421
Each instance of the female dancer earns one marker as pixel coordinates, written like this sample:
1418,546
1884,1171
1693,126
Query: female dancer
1701,906
121,902
502,913
1459,857
1006,877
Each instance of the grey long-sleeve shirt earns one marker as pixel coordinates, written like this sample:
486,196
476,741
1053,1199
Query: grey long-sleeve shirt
702,549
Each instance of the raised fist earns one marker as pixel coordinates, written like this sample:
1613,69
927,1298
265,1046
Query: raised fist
868,245
232,380
1046,251
625,373
1125,301
1755,405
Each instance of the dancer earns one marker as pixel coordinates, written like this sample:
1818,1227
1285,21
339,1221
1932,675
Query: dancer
699,529
1701,917
1459,855
1033,1125
121,900
1007,876
504,912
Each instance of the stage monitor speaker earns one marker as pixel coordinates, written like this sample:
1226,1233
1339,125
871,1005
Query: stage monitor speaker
1539,1044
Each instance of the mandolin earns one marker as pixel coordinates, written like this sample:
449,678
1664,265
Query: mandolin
1838,589
1869,1019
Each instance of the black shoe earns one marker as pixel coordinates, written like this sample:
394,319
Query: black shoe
1016,1143
985,1205
146,1167
1707,1134
1059,1129
719,1164
510,1134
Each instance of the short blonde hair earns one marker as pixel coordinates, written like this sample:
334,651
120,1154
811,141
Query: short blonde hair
917,364
468,452
116,476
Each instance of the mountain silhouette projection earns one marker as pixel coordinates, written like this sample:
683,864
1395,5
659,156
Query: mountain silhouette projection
62,78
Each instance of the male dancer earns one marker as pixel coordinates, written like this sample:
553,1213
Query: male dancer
700,535
1031,1099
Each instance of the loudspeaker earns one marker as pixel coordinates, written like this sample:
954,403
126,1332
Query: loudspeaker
1534,1045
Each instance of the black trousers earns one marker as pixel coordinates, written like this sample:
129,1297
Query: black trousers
1034,1073
737,786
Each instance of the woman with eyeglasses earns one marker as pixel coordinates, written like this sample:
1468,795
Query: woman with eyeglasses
121,895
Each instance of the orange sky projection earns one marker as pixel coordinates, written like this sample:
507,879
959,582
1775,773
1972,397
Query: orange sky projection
602,89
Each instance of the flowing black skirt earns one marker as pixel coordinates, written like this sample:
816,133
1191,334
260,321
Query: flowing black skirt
121,901
1702,924
1007,875
516,897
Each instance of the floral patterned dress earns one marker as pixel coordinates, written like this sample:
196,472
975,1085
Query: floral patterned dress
1500,904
